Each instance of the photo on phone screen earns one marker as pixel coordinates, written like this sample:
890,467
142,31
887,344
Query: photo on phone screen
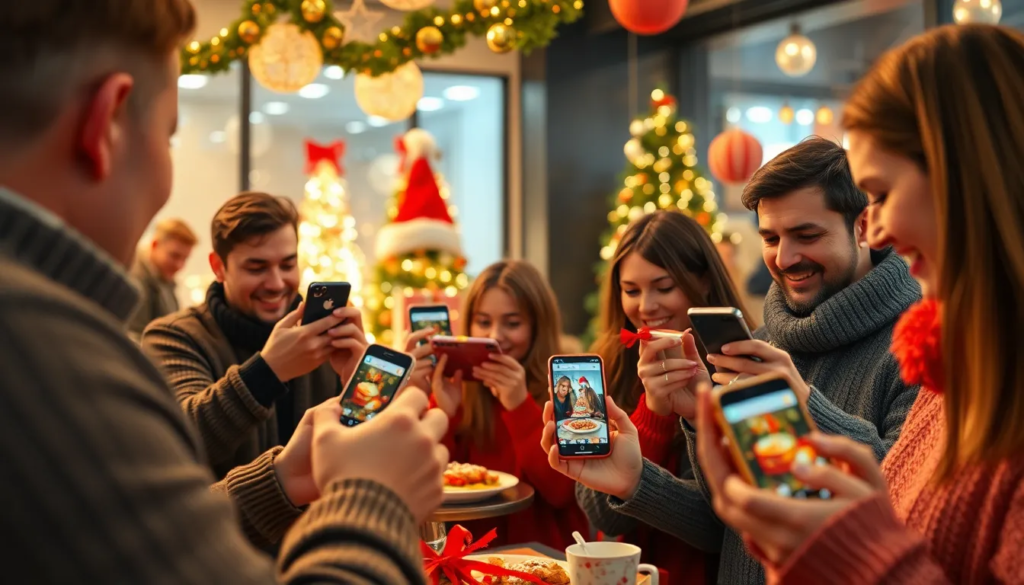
374,385
770,429
421,318
578,395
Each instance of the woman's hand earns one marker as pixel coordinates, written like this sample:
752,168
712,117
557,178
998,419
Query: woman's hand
423,372
447,391
670,384
506,379
777,526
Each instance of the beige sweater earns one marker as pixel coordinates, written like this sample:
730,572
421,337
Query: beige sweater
105,475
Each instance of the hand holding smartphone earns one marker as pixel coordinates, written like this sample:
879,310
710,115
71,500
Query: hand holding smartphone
430,316
381,373
579,401
464,353
322,298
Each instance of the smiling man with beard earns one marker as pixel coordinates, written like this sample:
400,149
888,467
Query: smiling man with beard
242,366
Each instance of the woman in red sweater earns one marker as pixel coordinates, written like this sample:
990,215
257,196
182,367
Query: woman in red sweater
664,264
936,133
497,423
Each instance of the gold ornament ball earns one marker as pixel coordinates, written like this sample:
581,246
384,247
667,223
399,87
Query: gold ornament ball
501,38
392,96
332,38
484,5
429,39
313,10
248,31
286,59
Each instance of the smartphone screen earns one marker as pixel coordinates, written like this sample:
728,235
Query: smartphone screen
770,430
421,318
373,386
578,394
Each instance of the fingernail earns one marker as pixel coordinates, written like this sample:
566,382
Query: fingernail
677,341
801,469
711,358
727,348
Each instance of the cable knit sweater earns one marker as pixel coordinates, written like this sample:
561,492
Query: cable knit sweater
969,529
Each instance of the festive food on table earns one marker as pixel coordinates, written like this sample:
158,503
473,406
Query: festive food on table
469,475
581,425
546,570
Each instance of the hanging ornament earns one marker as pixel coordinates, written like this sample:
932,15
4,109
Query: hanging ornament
501,37
332,38
392,96
977,11
429,39
786,114
313,10
633,150
733,156
360,22
406,4
796,53
637,128
824,116
248,31
484,5
648,17
287,59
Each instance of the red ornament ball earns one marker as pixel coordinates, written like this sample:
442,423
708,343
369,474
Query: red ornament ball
733,156
648,17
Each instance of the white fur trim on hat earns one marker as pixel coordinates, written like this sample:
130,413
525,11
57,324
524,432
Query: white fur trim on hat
418,234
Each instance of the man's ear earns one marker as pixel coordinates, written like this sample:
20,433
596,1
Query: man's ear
218,267
860,229
103,124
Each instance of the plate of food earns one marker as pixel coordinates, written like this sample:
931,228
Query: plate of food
465,483
581,426
550,571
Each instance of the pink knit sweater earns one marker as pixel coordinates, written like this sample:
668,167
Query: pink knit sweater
966,530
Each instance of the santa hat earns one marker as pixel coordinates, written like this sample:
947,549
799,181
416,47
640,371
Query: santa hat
423,222
584,381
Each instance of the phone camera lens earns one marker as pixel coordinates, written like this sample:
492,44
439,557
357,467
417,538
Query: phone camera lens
318,291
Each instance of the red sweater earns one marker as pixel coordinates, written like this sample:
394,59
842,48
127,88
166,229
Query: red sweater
554,514
969,529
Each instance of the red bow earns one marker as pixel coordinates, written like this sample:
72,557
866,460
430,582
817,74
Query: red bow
330,154
629,339
402,152
458,569
665,101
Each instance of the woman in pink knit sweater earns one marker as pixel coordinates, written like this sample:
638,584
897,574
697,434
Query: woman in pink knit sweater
936,134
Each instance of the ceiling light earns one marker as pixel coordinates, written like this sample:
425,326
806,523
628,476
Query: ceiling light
314,91
759,114
218,137
461,93
377,121
733,115
257,118
276,108
334,72
429,104
192,81
355,127
804,117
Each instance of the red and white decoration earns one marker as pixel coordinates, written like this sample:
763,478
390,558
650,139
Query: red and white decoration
733,156
648,17
423,221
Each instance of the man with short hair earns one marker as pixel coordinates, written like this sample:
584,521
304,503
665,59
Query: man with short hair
241,365
102,471
154,270
829,317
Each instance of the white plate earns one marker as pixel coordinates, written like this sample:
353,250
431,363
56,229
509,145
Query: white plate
565,427
459,495
513,559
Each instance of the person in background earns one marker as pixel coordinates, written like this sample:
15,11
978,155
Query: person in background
241,364
496,422
106,474
935,140
154,270
565,398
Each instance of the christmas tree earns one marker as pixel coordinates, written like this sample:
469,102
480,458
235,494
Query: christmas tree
661,173
327,231
419,253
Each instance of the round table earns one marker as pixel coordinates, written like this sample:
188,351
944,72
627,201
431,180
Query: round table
510,501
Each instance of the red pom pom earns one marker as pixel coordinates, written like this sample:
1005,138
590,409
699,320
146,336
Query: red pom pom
917,345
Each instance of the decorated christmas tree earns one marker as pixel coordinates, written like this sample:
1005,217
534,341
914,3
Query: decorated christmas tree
327,231
661,173
419,253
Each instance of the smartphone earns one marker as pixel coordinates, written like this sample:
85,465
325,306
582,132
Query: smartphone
717,326
581,412
767,428
464,353
380,375
426,316
322,298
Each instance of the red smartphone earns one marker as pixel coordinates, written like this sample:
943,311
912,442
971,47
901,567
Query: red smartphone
464,353
581,409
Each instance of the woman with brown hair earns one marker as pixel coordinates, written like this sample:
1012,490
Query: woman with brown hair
665,264
936,134
497,422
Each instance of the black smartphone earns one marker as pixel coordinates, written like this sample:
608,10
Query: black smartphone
380,375
322,298
581,413
426,316
717,326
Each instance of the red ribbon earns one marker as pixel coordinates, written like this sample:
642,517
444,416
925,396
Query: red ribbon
452,564
629,339
330,154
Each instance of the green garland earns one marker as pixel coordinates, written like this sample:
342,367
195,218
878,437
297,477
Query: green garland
534,21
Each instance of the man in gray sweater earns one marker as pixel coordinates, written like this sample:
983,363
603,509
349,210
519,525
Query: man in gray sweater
828,322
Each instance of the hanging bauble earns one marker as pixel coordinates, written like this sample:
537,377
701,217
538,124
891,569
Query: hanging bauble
633,150
332,38
287,59
392,96
824,116
406,4
637,128
248,31
501,37
977,11
484,5
733,156
261,135
796,54
648,17
429,39
786,114
313,10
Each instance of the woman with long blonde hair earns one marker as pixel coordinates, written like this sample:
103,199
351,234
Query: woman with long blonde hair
936,140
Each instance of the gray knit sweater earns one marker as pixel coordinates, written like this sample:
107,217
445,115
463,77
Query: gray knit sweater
842,351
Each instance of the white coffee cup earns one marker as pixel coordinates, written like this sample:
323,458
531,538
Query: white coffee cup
607,563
